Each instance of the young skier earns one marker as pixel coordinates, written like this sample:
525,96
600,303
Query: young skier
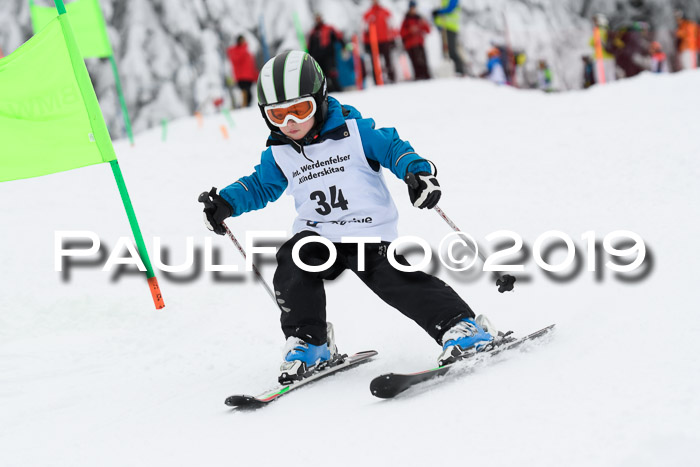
330,159
658,58
494,68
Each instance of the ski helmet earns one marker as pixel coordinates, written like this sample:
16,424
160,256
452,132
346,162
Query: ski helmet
601,20
291,75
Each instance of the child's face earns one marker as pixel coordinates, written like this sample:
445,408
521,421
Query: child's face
297,131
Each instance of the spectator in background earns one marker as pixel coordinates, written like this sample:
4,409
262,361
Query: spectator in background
245,72
588,73
630,43
658,58
413,30
322,40
379,17
447,19
609,67
494,68
544,76
518,63
687,42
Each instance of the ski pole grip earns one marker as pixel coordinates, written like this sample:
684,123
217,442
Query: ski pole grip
411,180
205,197
505,283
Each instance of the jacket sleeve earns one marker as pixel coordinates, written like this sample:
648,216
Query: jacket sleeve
253,192
404,30
449,8
338,36
384,146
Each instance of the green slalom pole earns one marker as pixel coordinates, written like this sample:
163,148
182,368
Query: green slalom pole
126,200
229,118
122,101
60,7
140,244
300,33
117,81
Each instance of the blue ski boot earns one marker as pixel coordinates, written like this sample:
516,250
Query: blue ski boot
465,339
301,359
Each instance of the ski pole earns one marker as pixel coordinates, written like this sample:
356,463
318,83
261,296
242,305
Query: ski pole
505,282
255,269
204,198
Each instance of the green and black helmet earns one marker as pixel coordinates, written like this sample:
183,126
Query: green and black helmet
292,75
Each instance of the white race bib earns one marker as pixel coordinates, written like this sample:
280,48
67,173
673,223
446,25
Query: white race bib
336,192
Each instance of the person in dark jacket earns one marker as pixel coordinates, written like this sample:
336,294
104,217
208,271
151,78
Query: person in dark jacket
413,30
322,40
244,69
630,45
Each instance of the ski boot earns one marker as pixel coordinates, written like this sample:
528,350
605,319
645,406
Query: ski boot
301,359
466,338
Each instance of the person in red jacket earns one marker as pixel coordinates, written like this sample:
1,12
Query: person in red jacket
379,17
413,30
244,69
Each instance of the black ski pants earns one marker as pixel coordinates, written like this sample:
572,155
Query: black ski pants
452,50
388,67
419,61
301,296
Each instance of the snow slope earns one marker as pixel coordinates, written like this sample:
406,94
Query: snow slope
91,374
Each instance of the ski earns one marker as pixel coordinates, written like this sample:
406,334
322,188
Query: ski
392,384
241,401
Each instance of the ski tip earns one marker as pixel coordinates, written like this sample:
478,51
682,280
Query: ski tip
365,354
243,402
384,386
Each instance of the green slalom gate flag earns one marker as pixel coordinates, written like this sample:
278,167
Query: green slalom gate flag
50,120
86,19
91,36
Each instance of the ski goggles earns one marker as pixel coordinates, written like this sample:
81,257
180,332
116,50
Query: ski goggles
300,110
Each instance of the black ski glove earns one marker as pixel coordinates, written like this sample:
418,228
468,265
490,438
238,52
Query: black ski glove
423,189
436,13
216,209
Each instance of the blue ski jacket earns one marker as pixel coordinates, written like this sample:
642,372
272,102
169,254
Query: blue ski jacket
383,148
